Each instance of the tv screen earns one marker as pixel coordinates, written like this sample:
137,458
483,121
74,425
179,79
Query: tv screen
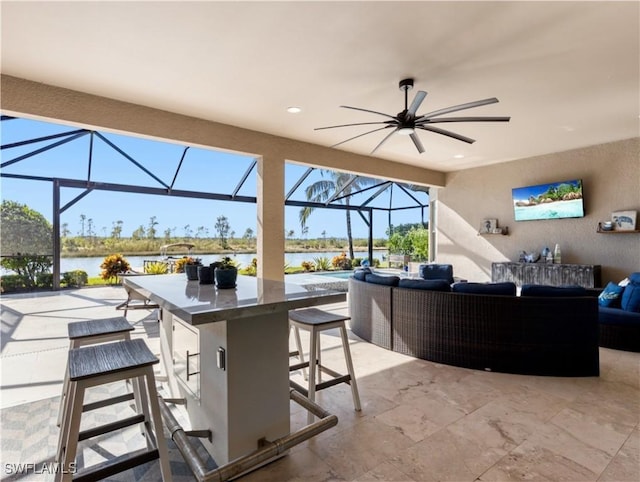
555,200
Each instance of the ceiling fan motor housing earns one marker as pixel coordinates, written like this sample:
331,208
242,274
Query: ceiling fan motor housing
406,84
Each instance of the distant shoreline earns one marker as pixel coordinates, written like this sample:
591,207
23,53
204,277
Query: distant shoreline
76,254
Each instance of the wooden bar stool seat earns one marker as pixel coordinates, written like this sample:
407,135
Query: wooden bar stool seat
316,321
98,365
91,332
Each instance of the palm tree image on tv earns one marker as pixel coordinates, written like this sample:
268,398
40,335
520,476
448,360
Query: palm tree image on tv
548,201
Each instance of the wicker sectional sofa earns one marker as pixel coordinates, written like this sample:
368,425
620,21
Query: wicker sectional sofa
526,335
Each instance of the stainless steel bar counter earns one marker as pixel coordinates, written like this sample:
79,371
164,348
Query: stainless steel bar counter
226,353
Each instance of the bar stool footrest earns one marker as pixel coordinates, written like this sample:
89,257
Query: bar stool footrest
110,427
107,401
335,381
115,466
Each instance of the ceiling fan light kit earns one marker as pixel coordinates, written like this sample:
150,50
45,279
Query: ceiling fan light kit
407,121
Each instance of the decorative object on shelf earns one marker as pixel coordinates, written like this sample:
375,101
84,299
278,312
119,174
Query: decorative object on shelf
557,255
490,226
487,226
529,257
226,273
605,226
546,255
624,220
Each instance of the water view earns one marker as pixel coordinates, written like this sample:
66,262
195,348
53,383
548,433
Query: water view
92,265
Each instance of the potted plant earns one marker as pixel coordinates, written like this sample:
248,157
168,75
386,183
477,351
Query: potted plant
190,266
226,273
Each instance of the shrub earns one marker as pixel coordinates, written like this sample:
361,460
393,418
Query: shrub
113,265
29,266
341,261
179,266
308,265
44,280
356,262
13,282
76,278
157,267
252,269
322,263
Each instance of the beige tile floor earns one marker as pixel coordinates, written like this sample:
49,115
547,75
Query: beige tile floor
419,420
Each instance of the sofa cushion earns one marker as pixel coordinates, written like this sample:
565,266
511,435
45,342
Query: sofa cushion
552,291
360,274
425,284
616,316
382,280
436,271
506,288
631,297
610,296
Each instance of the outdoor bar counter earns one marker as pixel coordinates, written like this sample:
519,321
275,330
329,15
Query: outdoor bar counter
226,353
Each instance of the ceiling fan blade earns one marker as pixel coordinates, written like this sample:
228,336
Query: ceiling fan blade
360,135
348,125
456,108
447,133
417,100
384,140
416,141
367,110
464,119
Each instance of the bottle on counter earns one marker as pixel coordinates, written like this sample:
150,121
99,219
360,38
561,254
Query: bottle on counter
557,255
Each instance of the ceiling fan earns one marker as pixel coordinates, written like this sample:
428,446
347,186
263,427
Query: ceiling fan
407,121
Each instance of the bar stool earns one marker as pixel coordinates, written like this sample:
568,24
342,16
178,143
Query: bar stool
91,332
316,321
98,365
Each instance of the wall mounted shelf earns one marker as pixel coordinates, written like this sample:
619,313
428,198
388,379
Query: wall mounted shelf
505,232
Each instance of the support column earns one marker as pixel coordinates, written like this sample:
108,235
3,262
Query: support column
270,213
433,201
56,235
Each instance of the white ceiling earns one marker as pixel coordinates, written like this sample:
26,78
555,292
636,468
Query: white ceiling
566,72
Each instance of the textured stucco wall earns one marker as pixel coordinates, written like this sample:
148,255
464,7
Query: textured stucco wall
611,182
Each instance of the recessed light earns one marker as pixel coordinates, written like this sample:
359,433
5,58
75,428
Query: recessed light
294,110
458,156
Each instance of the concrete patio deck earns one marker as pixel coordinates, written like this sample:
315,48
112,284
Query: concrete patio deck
420,420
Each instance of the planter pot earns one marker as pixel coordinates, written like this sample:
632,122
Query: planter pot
205,275
191,270
226,278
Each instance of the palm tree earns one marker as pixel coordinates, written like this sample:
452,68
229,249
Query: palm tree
324,189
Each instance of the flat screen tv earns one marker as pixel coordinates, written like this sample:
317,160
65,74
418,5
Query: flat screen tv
554,200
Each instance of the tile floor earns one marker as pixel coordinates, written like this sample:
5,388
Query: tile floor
420,421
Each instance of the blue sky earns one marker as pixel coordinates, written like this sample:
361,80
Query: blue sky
202,170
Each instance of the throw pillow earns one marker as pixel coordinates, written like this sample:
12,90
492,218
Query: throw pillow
382,280
507,288
360,274
552,291
631,298
436,271
424,284
634,278
610,296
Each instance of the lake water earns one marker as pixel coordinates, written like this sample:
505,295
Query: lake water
92,265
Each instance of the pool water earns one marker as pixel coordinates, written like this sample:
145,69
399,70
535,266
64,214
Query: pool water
336,274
